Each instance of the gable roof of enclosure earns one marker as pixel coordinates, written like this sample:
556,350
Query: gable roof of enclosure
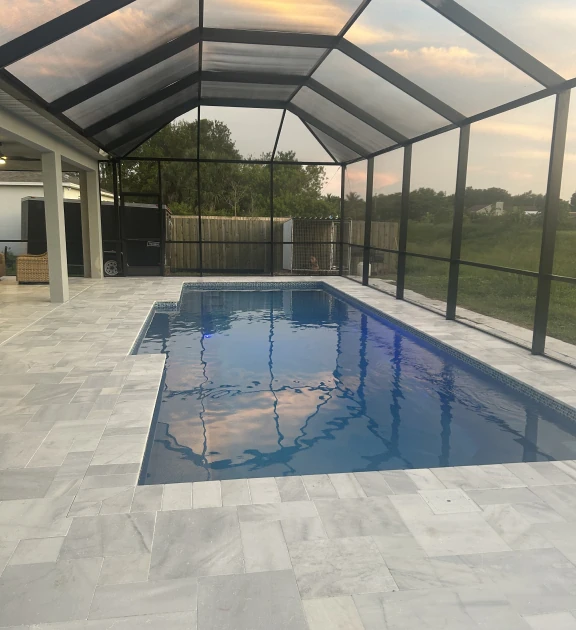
363,75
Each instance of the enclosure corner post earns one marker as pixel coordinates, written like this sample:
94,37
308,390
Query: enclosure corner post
457,222
550,223
199,195
342,193
368,222
271,218
403,230
162,221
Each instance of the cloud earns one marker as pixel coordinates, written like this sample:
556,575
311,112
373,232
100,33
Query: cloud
20,16
560,14
454,60
537,155
539,132
520,175
383,179
317,16
105,44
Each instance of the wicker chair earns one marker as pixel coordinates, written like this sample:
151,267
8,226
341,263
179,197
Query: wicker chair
32,269
2,265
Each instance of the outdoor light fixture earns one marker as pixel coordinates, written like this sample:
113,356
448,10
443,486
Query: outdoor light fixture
3,158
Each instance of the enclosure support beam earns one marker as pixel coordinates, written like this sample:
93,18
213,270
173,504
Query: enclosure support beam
459,201
162,220
199,192
403,230
55,228
368,222
342,193
551,208
272,217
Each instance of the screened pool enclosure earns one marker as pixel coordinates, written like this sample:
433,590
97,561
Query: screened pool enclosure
368,104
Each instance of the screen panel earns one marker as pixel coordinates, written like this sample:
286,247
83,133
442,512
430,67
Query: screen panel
189,95
254,91
376,96
135,88
416,41
226,57
280,15
432,186
238,132
507,177
492,300
296,142
105,45
338,150
544,29
340,120
354,218
23,16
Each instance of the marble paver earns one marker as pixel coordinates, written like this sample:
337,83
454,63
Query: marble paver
82,547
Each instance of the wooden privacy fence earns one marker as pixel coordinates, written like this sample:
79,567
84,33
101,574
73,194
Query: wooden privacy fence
383,235
228,255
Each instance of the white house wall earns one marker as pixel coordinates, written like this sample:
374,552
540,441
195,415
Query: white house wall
11,195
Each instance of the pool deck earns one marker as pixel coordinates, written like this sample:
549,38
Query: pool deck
82,547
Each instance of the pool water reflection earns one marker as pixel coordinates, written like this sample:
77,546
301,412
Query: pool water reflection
273,383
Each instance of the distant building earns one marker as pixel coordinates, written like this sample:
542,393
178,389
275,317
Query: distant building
17,185
530,211
496,208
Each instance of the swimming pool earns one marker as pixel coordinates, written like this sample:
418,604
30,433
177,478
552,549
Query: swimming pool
293,382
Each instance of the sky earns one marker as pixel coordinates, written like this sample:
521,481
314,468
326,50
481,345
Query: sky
508,151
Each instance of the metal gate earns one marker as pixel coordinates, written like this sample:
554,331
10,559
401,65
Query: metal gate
143,238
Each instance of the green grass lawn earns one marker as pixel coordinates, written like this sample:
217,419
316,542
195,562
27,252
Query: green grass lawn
498,294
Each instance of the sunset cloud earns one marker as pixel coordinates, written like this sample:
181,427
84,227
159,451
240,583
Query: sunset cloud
453,60
537,155
383,179
316,16
21,16
538,132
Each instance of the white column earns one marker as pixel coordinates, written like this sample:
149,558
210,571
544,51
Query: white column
94,224
91,224
85,225
55,229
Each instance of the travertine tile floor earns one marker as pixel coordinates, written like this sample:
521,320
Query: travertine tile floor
82,547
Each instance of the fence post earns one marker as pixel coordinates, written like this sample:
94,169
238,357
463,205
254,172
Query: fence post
403,229
457,222
342,194
368,221
551,207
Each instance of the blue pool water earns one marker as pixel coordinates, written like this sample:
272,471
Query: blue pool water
272,383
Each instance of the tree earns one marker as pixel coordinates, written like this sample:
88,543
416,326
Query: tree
228,189
573,202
